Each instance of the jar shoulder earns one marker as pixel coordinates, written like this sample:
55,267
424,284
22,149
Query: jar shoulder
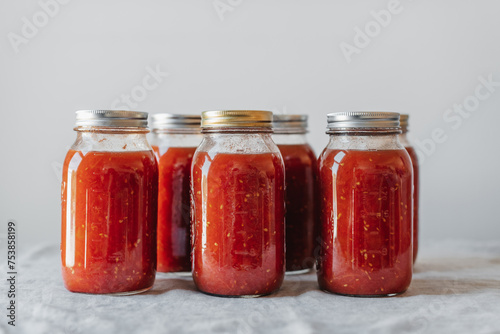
167,140
380,161
238,143
110,142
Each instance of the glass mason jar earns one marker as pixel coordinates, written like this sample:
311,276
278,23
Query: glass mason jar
416,179
109,202
238,189
366,206
174,139
301,191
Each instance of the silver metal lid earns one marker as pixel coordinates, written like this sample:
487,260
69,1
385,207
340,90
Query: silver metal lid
236,119
290,123
166,121
363,120
112,118
403,121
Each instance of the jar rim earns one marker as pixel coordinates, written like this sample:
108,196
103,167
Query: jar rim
180,131
237,130
364,131
112,129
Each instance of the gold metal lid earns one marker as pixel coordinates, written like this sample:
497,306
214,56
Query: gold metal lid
236,119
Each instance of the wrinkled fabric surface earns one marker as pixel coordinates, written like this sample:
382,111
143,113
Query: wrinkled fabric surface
455,289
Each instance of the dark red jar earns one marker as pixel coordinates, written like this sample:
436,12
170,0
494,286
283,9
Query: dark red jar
174,140
301,191
403,138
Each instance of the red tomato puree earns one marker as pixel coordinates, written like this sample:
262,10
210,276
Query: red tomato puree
174,219
366,222
416,181
239,236
301,169
109,221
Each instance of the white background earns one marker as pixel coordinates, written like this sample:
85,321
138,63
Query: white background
231,54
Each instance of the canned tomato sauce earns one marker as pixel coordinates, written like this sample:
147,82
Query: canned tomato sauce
366,206
174,140
301,219
238,185
109,200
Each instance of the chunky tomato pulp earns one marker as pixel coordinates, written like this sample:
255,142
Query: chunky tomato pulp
109,203
366,222
300,176
174,220
416,172
239,232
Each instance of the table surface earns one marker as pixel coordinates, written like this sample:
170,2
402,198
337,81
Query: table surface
455,289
